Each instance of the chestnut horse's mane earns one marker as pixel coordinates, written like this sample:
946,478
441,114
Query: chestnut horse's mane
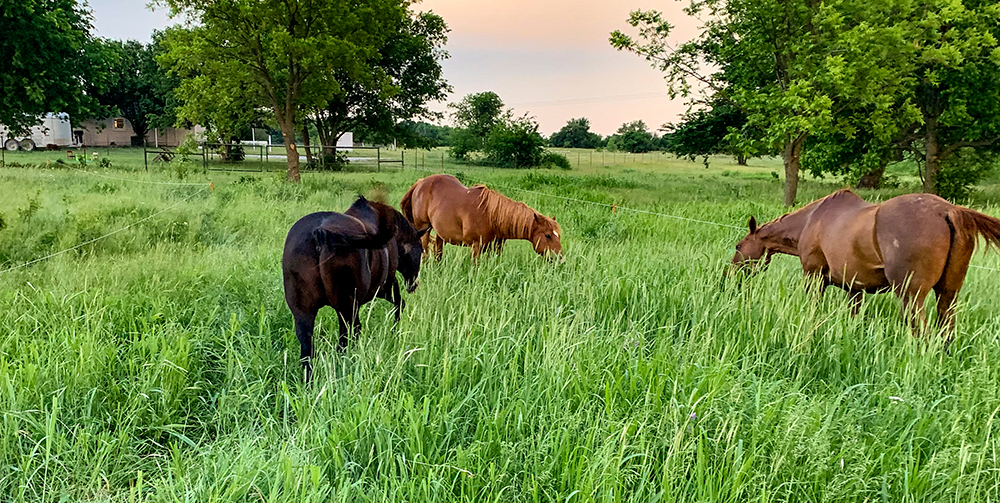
507,216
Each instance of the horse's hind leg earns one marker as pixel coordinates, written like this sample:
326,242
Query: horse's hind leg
305,323
950,283
438,247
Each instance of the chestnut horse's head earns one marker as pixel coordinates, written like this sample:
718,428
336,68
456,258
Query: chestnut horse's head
750,251
546,235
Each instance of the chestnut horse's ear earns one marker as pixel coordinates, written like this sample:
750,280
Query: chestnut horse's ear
753,225
553,217
423,231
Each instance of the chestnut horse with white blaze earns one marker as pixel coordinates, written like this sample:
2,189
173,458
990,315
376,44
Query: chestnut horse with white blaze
477,217
909,245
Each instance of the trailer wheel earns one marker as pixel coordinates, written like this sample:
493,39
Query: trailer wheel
11,145
27,145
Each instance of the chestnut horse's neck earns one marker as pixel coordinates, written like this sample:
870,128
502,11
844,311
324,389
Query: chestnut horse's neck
510,219
781,235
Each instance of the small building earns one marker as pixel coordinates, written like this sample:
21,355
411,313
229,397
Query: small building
118,132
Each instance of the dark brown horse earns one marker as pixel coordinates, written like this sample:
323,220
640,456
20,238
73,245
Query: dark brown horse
345,260
477,217
909,244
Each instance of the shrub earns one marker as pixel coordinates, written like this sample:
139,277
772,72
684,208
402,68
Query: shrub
554,160
514,144
961,171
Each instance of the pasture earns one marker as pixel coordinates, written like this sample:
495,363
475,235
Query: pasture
160,364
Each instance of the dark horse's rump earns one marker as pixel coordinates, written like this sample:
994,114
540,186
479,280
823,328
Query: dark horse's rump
345,260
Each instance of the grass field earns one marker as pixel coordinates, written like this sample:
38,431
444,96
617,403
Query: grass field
158,364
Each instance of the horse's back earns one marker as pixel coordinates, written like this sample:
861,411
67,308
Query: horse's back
839,239
449,207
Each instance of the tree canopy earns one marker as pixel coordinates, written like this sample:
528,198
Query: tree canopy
137,87
576,134
891,75
281,54
633,137
395,88
48,62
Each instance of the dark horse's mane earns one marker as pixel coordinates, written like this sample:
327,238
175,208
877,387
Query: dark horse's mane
510,217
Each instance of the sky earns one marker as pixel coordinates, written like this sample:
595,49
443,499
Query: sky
547,58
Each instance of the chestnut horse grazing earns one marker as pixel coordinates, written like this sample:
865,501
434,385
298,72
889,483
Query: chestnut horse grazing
909,244
345,260
476,217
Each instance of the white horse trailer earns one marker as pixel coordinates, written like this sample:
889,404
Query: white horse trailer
55,129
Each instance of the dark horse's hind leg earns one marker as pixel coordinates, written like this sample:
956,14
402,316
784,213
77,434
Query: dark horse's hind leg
350,325
304,325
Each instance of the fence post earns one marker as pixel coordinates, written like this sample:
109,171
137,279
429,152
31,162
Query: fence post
378,159
145,158
402,160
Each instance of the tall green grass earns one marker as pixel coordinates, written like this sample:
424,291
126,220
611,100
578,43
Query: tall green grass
158,364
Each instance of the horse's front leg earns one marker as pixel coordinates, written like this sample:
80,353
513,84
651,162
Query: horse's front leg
392,293
477,251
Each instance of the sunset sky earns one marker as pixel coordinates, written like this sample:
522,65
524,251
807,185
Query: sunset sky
550,58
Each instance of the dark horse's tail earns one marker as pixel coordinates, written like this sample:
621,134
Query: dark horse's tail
974,223
406,205
330,240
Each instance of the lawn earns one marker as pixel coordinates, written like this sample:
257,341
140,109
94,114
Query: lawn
159,363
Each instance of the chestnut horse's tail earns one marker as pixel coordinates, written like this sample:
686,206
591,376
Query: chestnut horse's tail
974,223
406,205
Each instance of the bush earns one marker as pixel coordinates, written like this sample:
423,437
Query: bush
463,143
961,171
554,160
335,161
514,144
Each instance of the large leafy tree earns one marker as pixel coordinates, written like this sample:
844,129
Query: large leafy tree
954,71
576,134
633,137
394,88
721,128
789,65
222,101
280,54
48,60
475,116
138,88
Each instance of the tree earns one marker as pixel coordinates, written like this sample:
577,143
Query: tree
49,61
786,64
576,134
137,87
280,54
430,135
475,116
720,129
633,137
955,75
205,90
514,143
394,88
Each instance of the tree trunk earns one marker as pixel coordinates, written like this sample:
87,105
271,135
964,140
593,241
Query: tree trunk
741,159
872,179
292,153
305,143
791,155
932,164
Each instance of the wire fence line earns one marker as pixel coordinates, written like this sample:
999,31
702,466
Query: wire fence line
105,236
615,206
211,186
